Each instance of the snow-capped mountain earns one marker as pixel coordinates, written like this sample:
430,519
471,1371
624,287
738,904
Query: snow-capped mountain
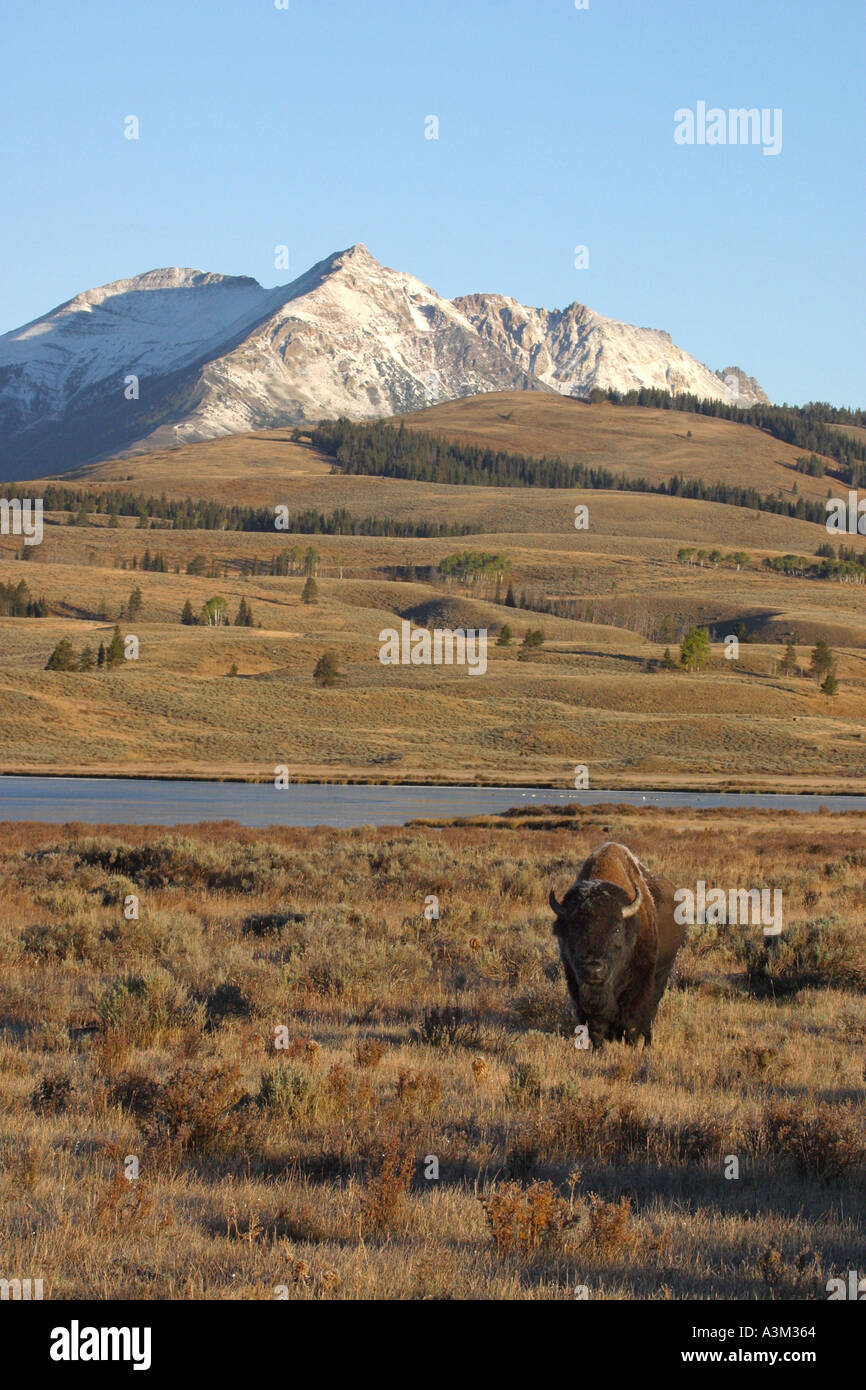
179,355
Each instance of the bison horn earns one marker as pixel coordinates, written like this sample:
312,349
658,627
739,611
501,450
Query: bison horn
631,908
557,907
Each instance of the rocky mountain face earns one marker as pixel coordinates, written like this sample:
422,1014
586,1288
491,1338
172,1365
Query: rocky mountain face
178,355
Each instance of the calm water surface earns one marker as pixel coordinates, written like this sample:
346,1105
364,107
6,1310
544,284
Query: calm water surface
128,801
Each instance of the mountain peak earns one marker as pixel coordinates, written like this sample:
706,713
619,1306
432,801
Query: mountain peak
171,277
357,252
219,354
744,389
355,258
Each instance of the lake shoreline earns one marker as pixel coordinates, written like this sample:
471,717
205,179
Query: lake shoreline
262,805
686,786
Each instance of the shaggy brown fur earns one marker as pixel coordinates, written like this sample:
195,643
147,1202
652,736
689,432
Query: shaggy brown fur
617,962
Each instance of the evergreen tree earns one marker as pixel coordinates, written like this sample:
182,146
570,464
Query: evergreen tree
244,616
327,672
830,685
822,661
62,658
100,655
788,664
87,660
510,601
133,605
505,635
667,660
115,651
310,593
188,616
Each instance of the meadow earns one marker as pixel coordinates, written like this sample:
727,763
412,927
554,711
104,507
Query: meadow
327,1094
594,694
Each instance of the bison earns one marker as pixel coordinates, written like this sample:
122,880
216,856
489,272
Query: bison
617,942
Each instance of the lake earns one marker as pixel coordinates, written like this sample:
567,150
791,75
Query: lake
139,801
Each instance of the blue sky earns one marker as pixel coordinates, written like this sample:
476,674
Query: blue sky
305,127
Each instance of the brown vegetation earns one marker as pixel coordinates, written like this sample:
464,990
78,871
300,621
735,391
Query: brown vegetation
283,1042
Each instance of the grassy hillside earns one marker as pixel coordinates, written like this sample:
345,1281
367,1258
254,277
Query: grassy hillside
592,694
635,441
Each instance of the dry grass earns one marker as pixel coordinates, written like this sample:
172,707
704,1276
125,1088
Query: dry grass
627,439
291,1052
587,696
632,440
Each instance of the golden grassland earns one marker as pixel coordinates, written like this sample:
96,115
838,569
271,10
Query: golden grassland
302,1167
585,698
252,468
632,440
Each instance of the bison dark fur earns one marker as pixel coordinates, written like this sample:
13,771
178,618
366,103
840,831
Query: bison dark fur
617,942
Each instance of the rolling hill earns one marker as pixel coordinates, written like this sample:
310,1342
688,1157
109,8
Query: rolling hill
177,355
609,599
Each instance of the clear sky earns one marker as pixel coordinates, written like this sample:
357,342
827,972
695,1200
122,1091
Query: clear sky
305,127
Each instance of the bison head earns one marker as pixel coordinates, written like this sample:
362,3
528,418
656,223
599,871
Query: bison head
596,927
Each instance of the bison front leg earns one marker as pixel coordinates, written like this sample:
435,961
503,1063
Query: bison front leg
638,1021
574,991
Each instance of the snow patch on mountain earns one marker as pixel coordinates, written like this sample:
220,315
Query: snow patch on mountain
217,354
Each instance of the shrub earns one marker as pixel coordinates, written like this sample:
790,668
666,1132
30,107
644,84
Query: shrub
787,1281
524,1220
179,862
197,1109
524,1084
53,1094
610,1231
137,1008
369,1052
545,1006
824,1142
306,1047
822,953
286,1091
446,1027
136,1092
76,938
226,1001
417,1091
270,924
386,1189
